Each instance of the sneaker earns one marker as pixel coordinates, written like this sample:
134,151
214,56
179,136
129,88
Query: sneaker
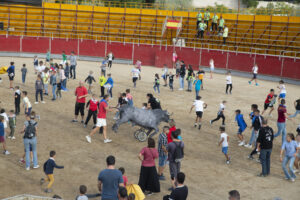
199,127
195,125
53,99
162,178
84,126
22,161
43,102
13,138
6,152
249,82
36,102
210,122
27,168
88,138
248,146
36,167
48,190
228,162
250,157
107,141
148,193
74,120
292,180
257,160
295,171
261,175
9,137
82,121
42,181
242,143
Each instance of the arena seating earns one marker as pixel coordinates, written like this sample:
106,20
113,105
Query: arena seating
272,34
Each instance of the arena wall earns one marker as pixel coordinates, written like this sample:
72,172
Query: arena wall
156,55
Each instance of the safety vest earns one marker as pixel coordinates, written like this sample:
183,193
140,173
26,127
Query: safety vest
206,16
221,22
202,26
102,80
199,17
215,19
225,33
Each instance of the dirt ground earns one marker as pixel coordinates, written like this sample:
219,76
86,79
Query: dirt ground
208,177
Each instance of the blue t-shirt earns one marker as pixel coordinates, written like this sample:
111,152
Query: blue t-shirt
110,178
289,147
241,122
197,84
1,129
11,70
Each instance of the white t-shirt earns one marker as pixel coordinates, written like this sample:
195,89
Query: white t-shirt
282,89
40,68
228,79
26,101
4,115
225,142
135,73
110,56
212,65
222,107
255,70
198,105
165,70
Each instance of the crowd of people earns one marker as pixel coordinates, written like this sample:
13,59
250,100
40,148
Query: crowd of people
113,183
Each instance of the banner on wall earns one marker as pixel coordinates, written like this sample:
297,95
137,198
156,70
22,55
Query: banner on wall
24,2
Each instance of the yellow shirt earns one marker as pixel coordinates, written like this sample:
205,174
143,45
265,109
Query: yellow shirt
102,80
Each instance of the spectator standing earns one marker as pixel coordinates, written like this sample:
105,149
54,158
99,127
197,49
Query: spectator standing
297,107
129,97
177,65
206,17
35,64
53,83
81,94
156,83
225,34
103,67
148,180
175,154
190,77
11,75
162,152
214,24
109,180
172,128
200,74
73,63
221,24
110,58
197,84
45,77
290,148
201,29
138,65
228,82
24,72
41,67
122,193
30,134
26,103
181,75
199,19
63,78
264,146
39,87
109,85
2,136
82,193
49,166
17,100
281,121
48,56
135,75
165,75
64,58
102,81
12,124
67,71
93,105
212,67
171,81
179,190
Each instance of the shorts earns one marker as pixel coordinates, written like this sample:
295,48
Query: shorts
240,131
134,79
212,69
254,76
282,95
101,122
162,160
29,111
298,155
30,148
224,150
267,105
2,139
199,114
11,78
79,107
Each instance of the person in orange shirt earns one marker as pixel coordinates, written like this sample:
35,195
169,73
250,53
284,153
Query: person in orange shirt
200,74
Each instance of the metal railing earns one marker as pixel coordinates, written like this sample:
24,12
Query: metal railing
163,6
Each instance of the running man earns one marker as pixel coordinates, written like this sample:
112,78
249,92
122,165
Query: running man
254,71
269,102
199,106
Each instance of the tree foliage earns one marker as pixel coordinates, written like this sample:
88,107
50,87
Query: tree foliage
250,3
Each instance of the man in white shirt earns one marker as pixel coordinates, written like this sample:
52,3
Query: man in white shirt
220,114
254,71
224,141
228,82
41,67
110,58
199,107
135,75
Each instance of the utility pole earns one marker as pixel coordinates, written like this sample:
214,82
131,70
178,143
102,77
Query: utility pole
239,5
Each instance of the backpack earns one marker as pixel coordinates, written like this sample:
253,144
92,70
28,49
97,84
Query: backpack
178,153
45,165
30,130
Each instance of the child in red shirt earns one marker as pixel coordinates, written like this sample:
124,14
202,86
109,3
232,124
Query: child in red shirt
125,179
172,128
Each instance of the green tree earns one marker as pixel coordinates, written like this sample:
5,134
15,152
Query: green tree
250,3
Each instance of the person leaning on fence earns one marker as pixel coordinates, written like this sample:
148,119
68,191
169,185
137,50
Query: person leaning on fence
206,17
199,19
214,24
201,29
221,24
225,35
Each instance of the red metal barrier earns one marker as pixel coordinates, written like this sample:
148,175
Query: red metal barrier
155,55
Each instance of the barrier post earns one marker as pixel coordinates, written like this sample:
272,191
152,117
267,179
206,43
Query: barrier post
132,52
21,43
282,61
227,59
200,56
78,49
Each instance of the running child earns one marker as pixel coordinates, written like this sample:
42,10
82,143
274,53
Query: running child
92,104
239,118
197,84
125,179
199,106
2,136
138,65
39,87
109,85
122,100
17,100
89,80
282,90
156,83
228,82
254,72
49,166
64,58
12,124
24,72
171,81
220,114
135,75
35,64
102,81
201,73
268,104
255,126
224,141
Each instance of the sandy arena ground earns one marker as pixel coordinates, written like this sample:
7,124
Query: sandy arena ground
208,177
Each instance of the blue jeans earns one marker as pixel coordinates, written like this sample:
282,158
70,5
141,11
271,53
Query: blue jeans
23,78
29,111
156,86
54,91
281,128
265,155
181,82
285,161
253,137
197,92
73,71
109,91
46,88
64,83
190,85
130,102
27,144
295,114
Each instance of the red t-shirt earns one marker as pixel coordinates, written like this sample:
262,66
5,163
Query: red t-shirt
169,136
102,110
269,97
80,91
125,179
149,156
281,110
